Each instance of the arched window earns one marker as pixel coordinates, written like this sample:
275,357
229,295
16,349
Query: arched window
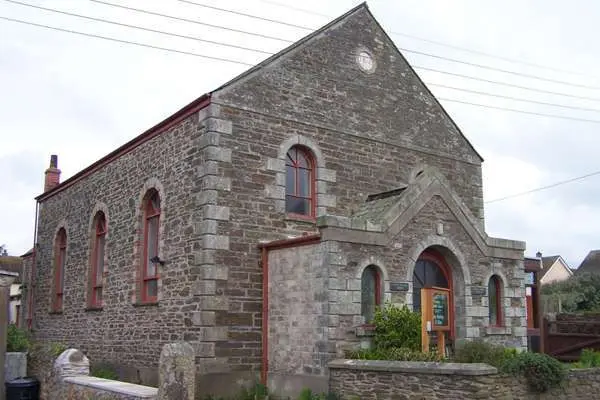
495,301
300,182
429,272
150,260
60,256
371,292
97,270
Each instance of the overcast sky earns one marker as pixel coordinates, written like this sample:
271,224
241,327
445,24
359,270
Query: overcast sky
80,97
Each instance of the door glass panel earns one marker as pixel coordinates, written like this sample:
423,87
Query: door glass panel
427,274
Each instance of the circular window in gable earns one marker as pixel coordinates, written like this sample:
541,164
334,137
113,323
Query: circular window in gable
365,61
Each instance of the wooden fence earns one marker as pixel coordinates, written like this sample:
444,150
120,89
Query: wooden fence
567,335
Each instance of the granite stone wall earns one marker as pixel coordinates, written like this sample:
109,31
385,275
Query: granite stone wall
386,380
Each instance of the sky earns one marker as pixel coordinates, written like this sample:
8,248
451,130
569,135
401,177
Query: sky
81,97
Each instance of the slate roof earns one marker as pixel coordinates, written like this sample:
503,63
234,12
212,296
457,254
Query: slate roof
591,263
12,264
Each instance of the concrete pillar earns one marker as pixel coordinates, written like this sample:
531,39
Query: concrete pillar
6,279
177,372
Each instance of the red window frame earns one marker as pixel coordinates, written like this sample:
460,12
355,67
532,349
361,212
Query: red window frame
497,282
292,162
96,285
150,213
59,269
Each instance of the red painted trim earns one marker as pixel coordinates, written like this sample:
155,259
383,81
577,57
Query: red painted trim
265,248
311,168
156,130
440,261
100,233
498,289
149,213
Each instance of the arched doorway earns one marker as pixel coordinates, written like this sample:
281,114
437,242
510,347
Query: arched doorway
431,270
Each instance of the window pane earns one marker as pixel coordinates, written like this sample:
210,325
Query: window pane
61,270
290,159
151,288
155,202
99,259
493,301
290,180
151,243
301,160
98,295
297,205
304,184
368,293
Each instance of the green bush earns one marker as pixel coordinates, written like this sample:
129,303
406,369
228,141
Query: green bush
308,394
588,359
541,371
397,327
393,354
17,339
479,351
104,371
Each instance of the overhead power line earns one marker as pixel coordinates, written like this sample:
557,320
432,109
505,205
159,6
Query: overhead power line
507,84
191,21
406,50
501,96
245,15
139,27
125,41
553,185
440,43
248,64
593,121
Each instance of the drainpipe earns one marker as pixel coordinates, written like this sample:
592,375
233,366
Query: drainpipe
265,316
32,272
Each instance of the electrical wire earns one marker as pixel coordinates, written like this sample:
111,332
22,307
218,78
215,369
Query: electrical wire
246,15
513,98
138,27
248,64
550,186
440,43
124,41
192,21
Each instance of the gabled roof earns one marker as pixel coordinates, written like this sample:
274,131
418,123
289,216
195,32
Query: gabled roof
550,261
12,264
591,263
205,99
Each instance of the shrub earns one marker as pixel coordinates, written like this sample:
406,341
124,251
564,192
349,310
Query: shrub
397,327
104,371
308,394
393,354
588,359
541,371
479,351
17,339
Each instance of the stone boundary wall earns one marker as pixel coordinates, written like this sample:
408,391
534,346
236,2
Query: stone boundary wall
381,380
70,378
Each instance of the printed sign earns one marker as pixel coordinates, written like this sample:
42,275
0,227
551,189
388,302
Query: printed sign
440,309
399,287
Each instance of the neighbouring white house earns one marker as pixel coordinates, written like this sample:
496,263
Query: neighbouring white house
14,264
554,269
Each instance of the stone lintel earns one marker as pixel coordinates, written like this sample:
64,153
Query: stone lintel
414,367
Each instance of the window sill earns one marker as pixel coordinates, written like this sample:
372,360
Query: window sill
94,308
309,220
146,304
497,330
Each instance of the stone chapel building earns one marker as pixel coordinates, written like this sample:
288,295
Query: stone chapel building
265,221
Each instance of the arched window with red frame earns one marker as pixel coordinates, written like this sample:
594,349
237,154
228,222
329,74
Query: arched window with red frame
495,301
371,292
300,182
98,252
150,260
60,256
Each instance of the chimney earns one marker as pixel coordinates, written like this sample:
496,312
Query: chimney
538,254
52,174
